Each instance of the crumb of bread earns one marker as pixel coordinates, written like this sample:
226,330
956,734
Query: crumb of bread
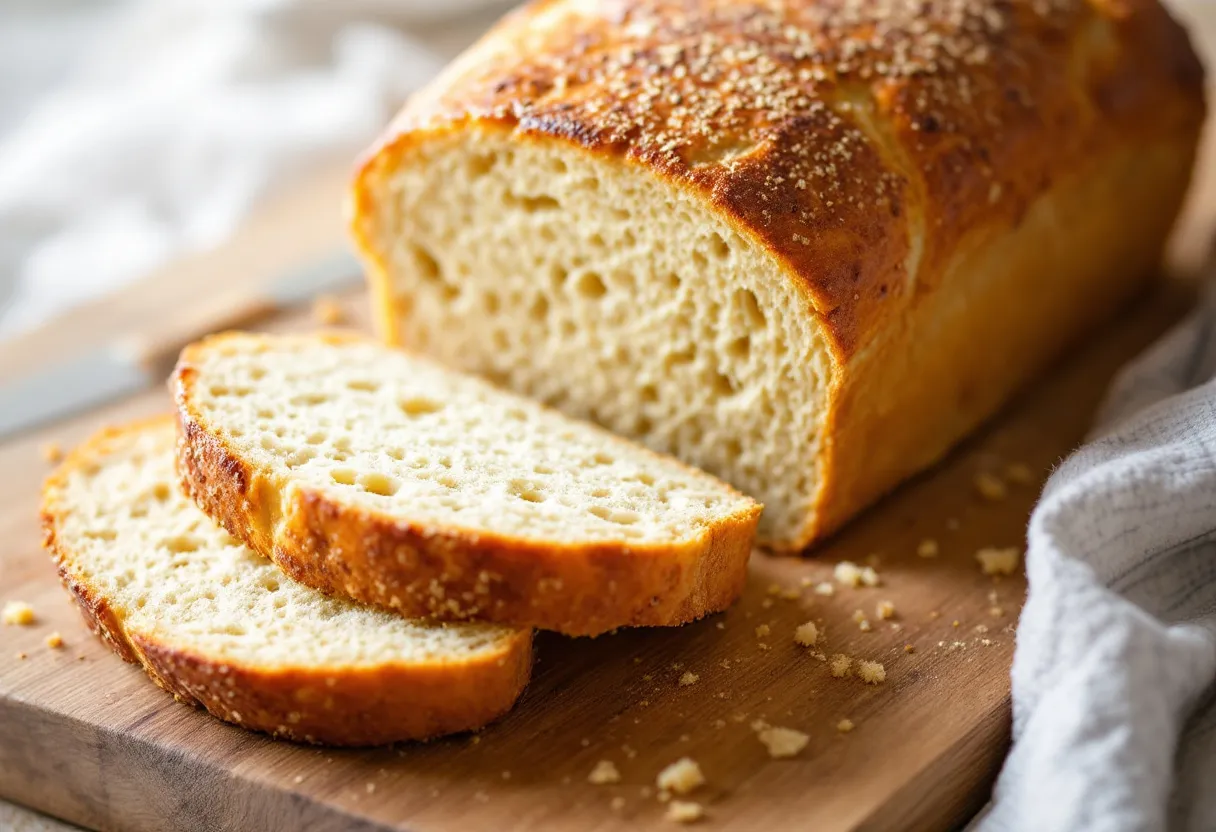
299,778
954,623
783,742
995,561
981,628
689,678
327,311
19,613
848,573
1019,473
806,634
996,612
934,615
684,811
721,625
990,486
825,588
21,655
885,609
865,626
371,787
845,726
841,665
859,616
871,672
908,648
928,548
986,642
605,772
54,641
819,656
681,777
617,804
52,452
869,576
762,631
762,646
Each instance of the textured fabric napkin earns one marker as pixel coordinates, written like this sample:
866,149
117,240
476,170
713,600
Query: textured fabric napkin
1114,725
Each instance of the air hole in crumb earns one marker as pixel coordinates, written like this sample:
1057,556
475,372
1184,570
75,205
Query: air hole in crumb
525,490
533,204
700,261
597,240
733,450
447,481
257,373
264,413
643,425
590,184
343,476
377,483
315,438
299,457
746,300
479,165
396,453
541,468
590,285
740,348
101,534
540,308
428,267
270,584
161,491
718,246
219,390
649,394
182,543
724,385
558,166
622,516
601,458
420,405
269,442
671,280
445,461
310,399
365,385
501,341
492,302
678,357
231,630
601,493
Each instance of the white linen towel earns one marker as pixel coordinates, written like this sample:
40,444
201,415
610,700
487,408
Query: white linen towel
1114,727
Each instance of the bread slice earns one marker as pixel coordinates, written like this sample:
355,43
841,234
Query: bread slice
217,625
369,473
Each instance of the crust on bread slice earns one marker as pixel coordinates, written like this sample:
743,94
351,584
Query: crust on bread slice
368,473
220,627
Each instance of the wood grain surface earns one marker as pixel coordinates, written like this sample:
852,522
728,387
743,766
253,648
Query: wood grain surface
87,738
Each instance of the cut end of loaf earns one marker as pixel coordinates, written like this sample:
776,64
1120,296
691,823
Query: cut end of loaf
611,295
218,625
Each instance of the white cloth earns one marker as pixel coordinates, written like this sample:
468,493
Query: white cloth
1113,724
181,115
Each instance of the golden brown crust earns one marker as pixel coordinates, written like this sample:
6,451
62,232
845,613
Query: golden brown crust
350,706
454,573
873,148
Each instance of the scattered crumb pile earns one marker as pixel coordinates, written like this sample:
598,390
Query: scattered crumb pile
681,777
689,678
996,561
605,772
19,613
782,742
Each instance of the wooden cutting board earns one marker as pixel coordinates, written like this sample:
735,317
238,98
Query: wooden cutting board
89,739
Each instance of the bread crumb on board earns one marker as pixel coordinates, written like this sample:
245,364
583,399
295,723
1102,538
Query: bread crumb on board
885,609
783,742
689,678
684,811
928,548
681,777
871,672
869,576
825,588
995,561
327,311
847,573
605,772
54,641
845,726
990,486
21,656
806,634
841,665
19,613
52,452
762,631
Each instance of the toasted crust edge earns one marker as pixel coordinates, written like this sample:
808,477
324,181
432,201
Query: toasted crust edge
452,573
346,706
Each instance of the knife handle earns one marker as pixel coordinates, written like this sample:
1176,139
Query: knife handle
156,345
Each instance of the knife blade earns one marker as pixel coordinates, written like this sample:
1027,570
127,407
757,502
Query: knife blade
140,360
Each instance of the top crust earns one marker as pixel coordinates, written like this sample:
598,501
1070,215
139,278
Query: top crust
891,118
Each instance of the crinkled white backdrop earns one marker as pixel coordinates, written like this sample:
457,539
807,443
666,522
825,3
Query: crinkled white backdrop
134,132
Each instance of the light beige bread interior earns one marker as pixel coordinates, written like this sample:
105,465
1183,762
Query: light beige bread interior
217,625
804,246
366,472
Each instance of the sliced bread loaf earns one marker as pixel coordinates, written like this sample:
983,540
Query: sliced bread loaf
366,472
217,625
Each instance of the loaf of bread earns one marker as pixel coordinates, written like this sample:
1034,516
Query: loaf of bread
365,472
806,246
217,625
